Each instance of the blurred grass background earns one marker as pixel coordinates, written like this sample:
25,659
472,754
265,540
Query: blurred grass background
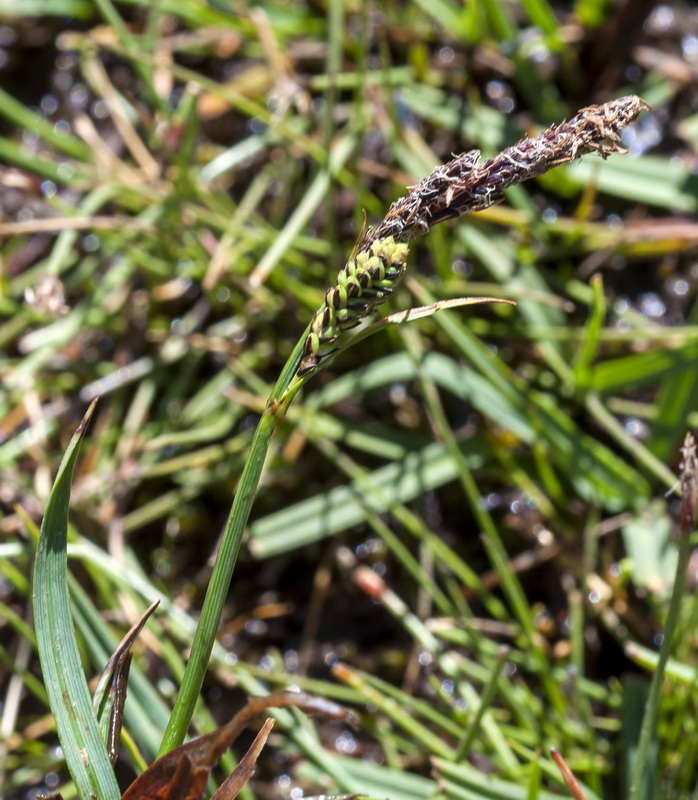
179,182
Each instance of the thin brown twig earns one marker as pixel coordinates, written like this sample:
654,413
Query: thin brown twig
567,775
59,224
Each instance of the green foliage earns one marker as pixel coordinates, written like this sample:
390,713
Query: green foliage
503,471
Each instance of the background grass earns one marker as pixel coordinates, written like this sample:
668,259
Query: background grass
181,182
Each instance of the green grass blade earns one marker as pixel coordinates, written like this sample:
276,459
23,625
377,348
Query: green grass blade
635,694
85,752
374,780
20,115
640,776
343,506
14,153
464,781
542,15
218,588
41,8
642,368
317,192
651,180
145,710
588,349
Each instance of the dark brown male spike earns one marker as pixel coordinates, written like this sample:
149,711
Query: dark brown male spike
458,187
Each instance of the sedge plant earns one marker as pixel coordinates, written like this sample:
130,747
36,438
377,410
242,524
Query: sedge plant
459,187
377,264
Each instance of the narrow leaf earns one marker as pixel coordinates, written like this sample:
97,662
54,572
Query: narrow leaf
69,696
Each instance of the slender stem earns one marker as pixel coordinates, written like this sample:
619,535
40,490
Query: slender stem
649,720
226,558
488,695
688,513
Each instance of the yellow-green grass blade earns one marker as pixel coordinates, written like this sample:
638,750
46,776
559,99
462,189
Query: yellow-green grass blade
529,415
20,115
652,180
69,697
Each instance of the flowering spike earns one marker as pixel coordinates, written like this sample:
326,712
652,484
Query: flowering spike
458,187
462,185
362,285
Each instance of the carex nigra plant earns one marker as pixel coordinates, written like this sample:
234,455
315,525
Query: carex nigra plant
366,281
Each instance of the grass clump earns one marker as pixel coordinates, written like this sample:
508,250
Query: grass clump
462,530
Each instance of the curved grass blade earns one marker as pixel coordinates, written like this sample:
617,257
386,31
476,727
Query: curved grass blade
410,315
69,697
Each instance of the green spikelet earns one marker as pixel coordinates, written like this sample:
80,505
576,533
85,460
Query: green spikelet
363,284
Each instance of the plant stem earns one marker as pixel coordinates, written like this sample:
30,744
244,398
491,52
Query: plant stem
687,521
649,719
226,558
